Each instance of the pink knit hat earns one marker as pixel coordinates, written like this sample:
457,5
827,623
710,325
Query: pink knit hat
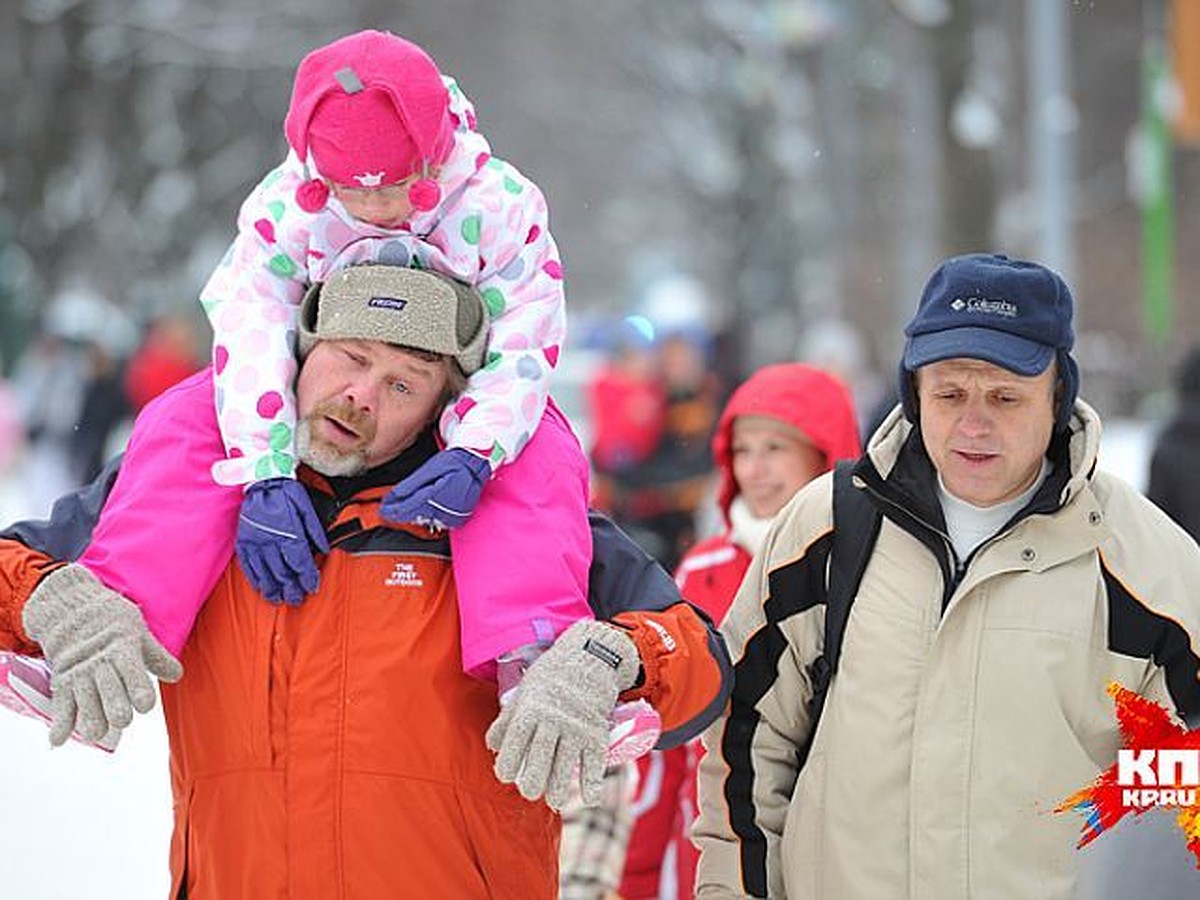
371,110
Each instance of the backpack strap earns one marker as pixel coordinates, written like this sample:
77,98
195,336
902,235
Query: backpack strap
856,522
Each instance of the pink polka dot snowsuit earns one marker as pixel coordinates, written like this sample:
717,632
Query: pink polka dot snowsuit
490,229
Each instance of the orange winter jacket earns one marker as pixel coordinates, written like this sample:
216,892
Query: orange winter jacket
336,749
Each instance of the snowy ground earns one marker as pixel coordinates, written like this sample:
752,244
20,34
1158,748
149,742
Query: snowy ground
76,822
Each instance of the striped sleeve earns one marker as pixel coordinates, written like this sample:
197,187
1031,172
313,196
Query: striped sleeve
775,631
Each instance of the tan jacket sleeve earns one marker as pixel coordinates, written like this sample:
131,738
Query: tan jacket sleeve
774,630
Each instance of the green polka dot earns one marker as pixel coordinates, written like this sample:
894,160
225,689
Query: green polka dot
494,163
470,228
280,436
208,305
273,177
284,463
493,298
511,185
262,469
281,264
493,359
276,208
497,455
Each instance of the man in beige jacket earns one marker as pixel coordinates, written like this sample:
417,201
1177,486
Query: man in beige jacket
1010,583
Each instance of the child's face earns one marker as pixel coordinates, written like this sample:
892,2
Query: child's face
386,207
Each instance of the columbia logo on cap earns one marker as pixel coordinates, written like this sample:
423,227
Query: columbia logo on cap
986,307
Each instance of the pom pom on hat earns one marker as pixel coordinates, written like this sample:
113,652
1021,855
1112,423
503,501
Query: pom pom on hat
312,195
424,194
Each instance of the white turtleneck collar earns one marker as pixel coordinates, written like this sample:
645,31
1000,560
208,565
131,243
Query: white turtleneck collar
746,529
969,526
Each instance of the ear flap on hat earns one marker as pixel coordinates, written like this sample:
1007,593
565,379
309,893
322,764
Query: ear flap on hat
1068,377
908,393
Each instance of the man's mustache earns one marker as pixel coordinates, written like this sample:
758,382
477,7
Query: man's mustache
358,421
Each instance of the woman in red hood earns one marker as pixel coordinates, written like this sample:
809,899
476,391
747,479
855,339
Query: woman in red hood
781,428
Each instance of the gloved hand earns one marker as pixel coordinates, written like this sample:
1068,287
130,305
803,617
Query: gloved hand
558,720
100,649
277,530
442,493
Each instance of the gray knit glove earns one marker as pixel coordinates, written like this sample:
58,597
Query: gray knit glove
100,649
558,720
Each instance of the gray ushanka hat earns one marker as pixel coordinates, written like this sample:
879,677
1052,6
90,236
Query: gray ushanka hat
407,307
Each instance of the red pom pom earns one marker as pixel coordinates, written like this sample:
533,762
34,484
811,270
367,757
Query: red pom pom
312,195
424,194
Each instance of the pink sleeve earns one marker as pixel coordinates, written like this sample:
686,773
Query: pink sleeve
166,532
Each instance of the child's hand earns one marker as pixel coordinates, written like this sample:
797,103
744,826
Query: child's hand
277,530
442,493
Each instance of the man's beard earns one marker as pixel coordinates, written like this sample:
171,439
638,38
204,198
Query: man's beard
327,458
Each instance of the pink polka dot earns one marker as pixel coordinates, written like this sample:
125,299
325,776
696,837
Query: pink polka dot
514,342
231,317
463,406
551,354
529,407
337,233
236,453
275,313
269,404
497,387
255,341
481,160
503,417
534,232
245,380
266,229
235,420
553,268
220,358
264,285
492,203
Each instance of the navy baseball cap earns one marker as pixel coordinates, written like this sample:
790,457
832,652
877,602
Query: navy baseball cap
1009,312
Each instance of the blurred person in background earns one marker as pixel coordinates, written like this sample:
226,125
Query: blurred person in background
14,490
626,405
1174,484
102,411
49,382
781,428
167,355
656,493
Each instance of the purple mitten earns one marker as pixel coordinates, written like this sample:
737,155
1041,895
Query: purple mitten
277,530
442,493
